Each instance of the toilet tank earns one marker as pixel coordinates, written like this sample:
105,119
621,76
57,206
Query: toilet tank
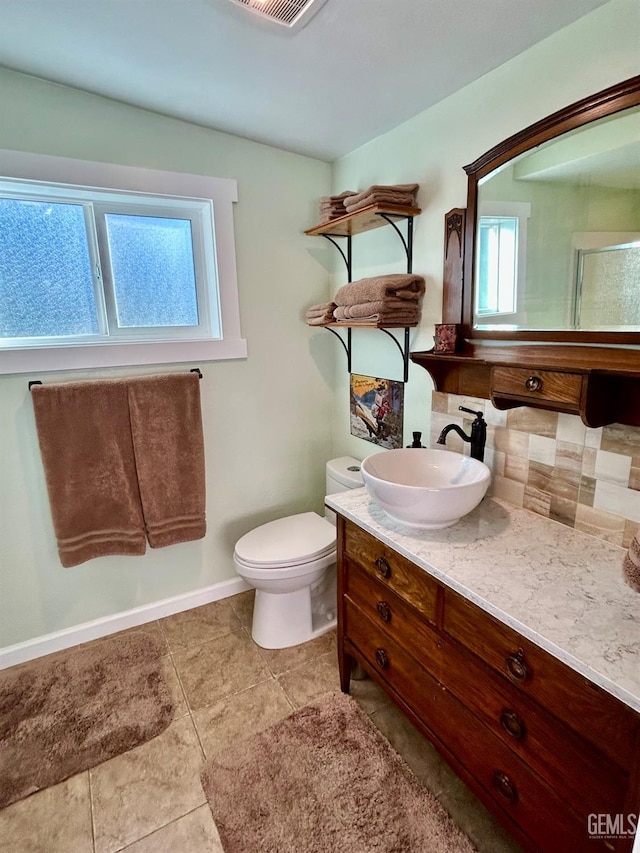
342,474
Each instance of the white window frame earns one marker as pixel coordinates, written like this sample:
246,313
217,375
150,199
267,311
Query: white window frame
219,193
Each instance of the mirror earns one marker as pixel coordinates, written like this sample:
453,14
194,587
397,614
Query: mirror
552,245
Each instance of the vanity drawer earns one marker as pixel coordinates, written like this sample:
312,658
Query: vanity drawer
589,781
394,571
506,780
587,709
552,385
394,616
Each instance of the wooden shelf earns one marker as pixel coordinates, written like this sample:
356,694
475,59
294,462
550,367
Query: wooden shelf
363,220
372,325
601,384
374,216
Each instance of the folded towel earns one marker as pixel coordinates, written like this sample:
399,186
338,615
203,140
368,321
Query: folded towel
320,321
166,427
90,470
382,201
320,314
389,307
382,319
331,207
321,308
631,564
334,198
399,285
384,190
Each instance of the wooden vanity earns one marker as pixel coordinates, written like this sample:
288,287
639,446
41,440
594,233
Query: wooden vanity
540,744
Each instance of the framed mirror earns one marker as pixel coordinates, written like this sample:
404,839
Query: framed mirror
552,235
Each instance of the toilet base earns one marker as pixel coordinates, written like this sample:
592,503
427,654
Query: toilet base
281,620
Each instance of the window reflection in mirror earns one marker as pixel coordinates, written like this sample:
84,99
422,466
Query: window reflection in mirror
501,262
572,261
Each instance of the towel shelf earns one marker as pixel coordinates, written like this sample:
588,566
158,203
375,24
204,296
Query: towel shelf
374,216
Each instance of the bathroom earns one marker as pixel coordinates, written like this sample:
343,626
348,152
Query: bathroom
272,420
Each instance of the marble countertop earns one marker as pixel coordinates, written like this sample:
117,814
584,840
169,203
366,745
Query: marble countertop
560,588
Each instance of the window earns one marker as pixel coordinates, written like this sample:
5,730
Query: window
113,265
501,252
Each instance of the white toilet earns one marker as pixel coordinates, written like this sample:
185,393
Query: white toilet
291,563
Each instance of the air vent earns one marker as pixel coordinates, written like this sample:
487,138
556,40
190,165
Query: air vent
291,15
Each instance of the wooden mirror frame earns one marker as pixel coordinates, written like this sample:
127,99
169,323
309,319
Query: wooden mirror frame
605,103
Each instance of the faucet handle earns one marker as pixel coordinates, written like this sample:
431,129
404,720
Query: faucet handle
479,415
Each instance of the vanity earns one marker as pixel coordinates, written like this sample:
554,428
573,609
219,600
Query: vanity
513,644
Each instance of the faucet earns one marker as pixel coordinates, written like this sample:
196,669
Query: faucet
478,435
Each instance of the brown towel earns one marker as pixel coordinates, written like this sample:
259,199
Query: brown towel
631,564
323,311
103,444
399,285
386,188
383,319
330,199
382,200
390,308
89,466
320,321
382,190
166,426
332,207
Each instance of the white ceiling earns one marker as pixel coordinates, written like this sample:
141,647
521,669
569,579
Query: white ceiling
356,70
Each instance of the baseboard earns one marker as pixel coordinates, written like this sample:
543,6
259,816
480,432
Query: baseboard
67,637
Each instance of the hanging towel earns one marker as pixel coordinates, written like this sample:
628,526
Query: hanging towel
89,465
631,564
166,427
122,457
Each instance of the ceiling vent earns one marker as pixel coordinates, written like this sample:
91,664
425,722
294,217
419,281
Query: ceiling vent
288,15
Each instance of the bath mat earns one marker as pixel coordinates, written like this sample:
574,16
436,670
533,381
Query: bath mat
324,780
71,710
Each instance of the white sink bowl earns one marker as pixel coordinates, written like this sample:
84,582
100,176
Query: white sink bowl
425,488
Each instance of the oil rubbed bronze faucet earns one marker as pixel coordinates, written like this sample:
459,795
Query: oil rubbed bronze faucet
478,437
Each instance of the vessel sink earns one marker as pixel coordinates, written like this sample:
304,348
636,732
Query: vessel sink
425,488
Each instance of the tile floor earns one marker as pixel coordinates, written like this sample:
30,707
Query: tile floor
150,800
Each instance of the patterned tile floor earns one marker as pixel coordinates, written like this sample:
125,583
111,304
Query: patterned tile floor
150,800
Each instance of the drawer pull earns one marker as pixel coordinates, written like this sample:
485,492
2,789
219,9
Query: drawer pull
384,610
533,383
512,724
517,666
505,786
382,658
383,568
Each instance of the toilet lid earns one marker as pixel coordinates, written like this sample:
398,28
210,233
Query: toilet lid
287,541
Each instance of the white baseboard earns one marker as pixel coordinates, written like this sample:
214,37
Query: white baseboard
67,637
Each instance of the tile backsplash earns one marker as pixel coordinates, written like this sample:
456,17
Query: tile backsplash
552,464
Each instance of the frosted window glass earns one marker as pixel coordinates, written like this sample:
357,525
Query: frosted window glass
46,287
153,270
610,288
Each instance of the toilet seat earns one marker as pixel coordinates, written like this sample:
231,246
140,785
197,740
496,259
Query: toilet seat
287,542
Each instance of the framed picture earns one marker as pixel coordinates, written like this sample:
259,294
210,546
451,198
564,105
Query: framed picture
377,410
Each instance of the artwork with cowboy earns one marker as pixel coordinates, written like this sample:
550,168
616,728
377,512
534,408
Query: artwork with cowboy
377,410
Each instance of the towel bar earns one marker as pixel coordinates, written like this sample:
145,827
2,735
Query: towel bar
33,382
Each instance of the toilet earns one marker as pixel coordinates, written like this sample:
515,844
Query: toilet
291,562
